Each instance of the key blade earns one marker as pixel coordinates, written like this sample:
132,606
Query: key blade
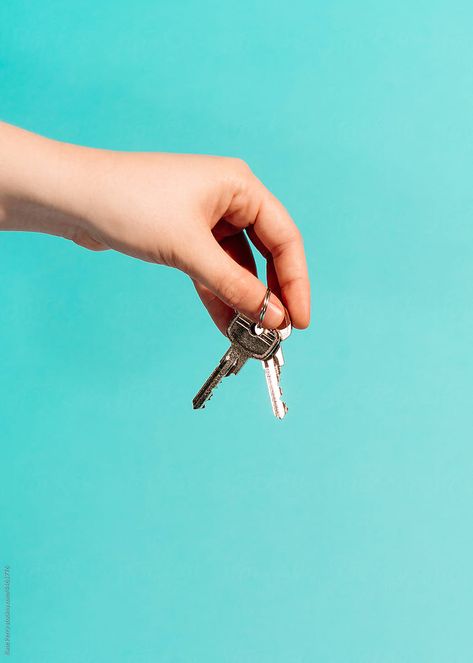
278,359
271,372
231,362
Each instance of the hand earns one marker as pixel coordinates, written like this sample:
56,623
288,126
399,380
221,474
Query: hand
191,212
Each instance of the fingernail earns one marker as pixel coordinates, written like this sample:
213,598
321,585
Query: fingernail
274,315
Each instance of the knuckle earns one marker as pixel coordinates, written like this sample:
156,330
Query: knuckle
296,234
240,166
292,237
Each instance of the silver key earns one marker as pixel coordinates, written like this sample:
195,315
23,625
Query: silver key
272,371
247,341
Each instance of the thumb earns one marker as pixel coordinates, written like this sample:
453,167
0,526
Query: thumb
233,284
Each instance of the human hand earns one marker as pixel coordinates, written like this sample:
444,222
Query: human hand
190,212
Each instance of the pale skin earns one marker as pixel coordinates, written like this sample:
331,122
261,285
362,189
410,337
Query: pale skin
195,213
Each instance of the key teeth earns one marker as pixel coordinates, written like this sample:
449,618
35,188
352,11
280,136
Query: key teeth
202,407
281,416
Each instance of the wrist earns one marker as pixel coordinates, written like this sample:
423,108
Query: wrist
45,185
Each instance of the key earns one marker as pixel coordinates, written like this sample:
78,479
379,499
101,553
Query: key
247,341
272,371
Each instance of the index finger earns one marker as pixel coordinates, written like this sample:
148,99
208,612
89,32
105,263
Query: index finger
276,235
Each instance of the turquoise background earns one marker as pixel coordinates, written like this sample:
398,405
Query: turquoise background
139,530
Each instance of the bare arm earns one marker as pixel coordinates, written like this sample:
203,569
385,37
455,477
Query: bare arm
191,212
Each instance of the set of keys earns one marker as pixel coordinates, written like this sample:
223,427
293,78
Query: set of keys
250,340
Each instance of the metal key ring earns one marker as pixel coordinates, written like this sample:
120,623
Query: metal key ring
264,308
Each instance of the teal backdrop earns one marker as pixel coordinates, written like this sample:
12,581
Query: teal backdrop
138,530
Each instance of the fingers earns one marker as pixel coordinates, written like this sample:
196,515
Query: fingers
237,247
232,283
223,283
275,234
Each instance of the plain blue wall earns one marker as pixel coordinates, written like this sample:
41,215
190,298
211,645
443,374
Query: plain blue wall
139,530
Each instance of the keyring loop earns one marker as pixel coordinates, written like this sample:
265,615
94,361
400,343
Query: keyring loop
264,308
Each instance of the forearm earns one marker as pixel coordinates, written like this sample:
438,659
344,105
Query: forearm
45,185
